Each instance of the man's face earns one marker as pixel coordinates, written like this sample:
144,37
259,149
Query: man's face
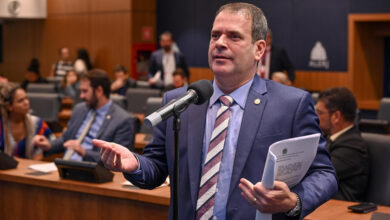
166,43
87,93
120,75
325,118
178,81
65,54
231,50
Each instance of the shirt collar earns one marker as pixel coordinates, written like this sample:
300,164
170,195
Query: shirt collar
336,135
239,95
104,109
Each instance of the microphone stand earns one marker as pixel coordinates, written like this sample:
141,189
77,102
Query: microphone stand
176,129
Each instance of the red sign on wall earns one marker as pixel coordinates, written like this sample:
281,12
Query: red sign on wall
147,33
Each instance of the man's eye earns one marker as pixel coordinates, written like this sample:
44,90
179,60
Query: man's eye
235,36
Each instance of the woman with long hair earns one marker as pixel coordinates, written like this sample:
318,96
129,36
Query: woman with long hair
17,126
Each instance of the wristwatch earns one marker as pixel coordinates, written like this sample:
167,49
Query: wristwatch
296,210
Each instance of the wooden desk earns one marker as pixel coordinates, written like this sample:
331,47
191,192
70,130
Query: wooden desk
338,210
140,142
26,196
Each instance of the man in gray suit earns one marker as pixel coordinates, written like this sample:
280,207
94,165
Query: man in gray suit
164,62
97,117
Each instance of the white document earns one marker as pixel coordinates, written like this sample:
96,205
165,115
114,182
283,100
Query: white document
44,167
288,161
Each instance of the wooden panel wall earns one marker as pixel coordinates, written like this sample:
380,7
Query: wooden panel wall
105,28
309,80
366,56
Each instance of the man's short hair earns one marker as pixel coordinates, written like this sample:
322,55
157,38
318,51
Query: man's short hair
166,33
120,68
98,77
340,99
179,72
259,22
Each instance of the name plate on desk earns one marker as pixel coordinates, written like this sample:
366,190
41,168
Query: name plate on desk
83,171
7,162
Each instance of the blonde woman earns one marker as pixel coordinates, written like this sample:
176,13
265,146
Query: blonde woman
17,126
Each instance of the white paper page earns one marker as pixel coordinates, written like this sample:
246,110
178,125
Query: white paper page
44,167
288,161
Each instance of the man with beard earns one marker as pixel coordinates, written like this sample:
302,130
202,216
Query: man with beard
97,117
336,108
164,62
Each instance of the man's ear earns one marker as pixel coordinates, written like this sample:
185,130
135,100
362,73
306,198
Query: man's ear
336,116
260,46
99,91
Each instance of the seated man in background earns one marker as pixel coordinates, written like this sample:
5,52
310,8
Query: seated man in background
336,109
281,78
274,60
122,81
97,117
179,79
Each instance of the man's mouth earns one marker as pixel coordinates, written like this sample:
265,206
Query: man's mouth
221,57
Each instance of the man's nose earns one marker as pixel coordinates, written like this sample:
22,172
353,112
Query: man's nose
221,42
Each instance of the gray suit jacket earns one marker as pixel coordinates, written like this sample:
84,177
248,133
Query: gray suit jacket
117,127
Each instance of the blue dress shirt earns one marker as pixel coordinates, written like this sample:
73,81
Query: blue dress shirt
93,131
225,171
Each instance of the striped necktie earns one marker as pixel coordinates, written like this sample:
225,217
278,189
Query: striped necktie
208,182
70,152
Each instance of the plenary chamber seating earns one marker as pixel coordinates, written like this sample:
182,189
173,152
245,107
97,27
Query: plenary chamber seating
45,105
136,98
41,88
119,100
381,125
152,104
378,190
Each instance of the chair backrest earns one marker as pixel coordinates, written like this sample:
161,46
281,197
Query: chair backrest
136,98
45,106
384,109
152,104
119,100
41,88
314,96
142,84
56,80
378,190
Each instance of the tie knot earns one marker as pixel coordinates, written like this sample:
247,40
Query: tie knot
226,100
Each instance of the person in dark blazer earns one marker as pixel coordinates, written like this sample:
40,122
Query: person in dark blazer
278,61
164,62
111,122
336,108
263,112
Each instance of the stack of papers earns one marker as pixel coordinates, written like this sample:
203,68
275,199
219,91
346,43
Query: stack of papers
45,167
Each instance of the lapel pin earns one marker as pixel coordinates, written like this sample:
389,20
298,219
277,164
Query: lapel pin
257,101
108,116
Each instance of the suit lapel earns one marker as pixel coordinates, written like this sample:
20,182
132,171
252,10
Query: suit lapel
251,120
107,120
195,146
79,121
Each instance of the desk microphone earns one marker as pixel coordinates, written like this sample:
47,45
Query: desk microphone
197,93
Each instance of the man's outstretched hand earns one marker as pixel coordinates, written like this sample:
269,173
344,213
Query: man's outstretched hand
116,157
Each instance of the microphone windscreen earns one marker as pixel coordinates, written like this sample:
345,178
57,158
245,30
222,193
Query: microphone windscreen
204,90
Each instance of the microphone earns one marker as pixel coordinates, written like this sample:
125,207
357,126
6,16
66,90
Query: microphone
197,93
